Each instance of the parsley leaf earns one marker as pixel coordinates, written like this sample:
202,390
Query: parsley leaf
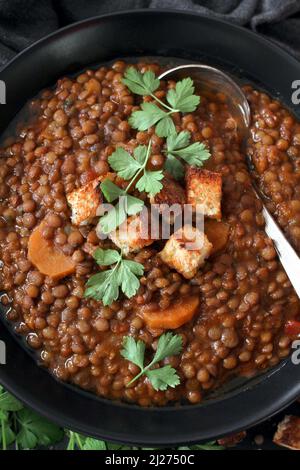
165,127
163,378
93,444
150,182
127,205
174,167
182,97
160,378
123,163
149,115
178,141
130,168
168,345
106,257
212,445
178,146
140,83
134,351
110,190
9,403
106,285
35,430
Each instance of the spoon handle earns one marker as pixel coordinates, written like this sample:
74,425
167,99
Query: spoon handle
286,253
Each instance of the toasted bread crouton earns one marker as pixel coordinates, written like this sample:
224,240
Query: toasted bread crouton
85,201
132,235
171,193
186,250
288,433
204,188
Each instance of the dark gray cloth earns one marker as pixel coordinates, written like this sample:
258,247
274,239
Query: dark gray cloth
25,21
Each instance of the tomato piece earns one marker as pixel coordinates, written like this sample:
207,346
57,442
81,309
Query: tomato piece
292,328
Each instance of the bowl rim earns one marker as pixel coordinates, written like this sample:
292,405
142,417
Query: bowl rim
270,375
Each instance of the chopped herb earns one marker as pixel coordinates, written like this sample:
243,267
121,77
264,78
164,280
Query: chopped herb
106,285
160,378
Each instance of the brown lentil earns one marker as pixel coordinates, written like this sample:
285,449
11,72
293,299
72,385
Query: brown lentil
246,298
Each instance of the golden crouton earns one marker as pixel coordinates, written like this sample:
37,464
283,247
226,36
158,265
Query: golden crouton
132,235
288,433
204,187
186,250
85,201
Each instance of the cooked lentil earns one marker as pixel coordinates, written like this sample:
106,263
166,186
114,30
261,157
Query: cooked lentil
246,297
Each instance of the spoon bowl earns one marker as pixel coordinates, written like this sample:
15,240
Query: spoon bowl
212,80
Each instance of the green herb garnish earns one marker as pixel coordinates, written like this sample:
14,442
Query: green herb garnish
179,147
163,377
180,99
105,285
130,168
23,427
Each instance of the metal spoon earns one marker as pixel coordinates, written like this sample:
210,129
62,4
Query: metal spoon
211,80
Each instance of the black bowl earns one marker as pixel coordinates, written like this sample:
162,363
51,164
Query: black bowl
128,34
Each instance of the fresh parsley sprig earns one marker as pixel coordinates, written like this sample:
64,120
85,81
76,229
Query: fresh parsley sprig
23,427
123,275
180,99
163,377
179,147
129,168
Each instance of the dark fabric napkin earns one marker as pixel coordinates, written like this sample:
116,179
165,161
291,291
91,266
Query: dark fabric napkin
24,21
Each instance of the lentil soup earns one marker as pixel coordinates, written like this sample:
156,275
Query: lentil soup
248,312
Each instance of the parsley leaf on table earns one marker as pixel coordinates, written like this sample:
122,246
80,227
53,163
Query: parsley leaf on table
93,444
106,285
35,430
8,402
160,378
179,147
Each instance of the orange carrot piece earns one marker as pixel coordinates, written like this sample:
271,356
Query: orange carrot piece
217,233
172,317
46,258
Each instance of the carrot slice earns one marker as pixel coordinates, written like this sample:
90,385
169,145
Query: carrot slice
46,258
217,233
173,317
